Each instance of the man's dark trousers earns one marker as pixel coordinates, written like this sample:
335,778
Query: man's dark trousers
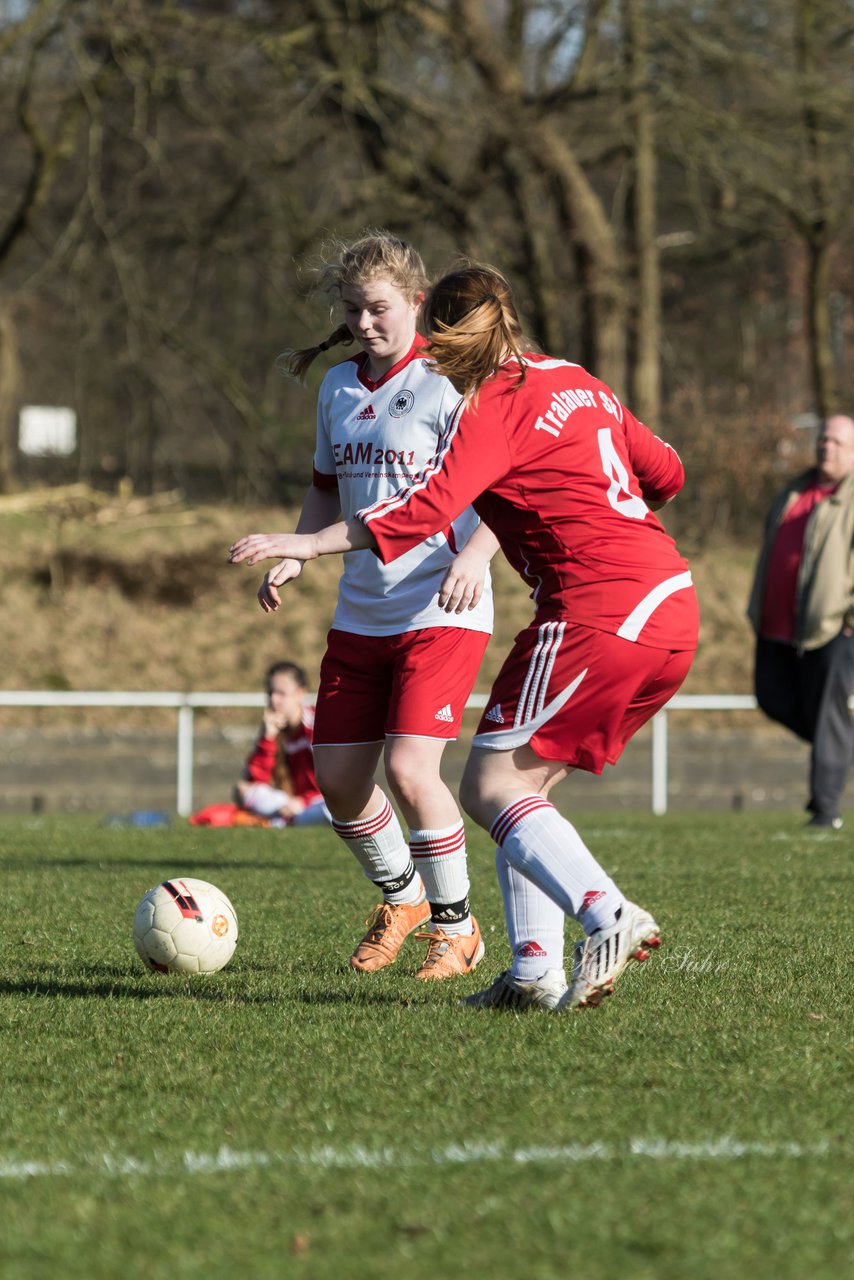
808,693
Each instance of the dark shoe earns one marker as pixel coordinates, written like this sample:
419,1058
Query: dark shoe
828,820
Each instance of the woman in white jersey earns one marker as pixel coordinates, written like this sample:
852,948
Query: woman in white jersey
568,479
407,639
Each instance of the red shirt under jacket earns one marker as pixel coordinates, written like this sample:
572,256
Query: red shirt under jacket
780,603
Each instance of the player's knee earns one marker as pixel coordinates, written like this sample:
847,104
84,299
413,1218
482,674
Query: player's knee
411,782
336,786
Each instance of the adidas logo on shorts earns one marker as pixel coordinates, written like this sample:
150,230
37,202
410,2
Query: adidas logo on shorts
445,714
494,714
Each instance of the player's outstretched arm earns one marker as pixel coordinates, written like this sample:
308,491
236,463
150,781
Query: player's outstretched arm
346,535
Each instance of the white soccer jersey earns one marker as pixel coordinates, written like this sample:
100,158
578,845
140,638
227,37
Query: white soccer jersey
373,438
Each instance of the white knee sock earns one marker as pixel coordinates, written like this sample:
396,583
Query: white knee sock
535,924
378,846
547,849
440,856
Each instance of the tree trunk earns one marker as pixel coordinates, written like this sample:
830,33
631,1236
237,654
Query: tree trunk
818,231
10,395
818,326
645,372
522,190
586,226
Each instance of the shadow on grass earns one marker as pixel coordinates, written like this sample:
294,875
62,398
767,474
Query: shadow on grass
106,983
127,990
187,864
114,989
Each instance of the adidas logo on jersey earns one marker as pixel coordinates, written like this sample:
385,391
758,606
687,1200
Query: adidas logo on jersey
445,714
494,714
367,414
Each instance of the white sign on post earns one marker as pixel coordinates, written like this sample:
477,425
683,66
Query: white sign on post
45,431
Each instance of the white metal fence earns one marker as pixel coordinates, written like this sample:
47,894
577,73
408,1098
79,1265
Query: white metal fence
186,703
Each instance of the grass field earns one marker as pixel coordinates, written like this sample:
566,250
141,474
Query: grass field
290,1118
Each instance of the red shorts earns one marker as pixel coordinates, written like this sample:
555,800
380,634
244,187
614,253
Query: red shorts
415,684
577,695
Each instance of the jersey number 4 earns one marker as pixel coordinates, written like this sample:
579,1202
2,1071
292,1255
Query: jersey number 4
619,495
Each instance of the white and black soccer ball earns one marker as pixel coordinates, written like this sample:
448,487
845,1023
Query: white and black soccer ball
185,926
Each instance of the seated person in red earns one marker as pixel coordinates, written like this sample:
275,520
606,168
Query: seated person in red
278,782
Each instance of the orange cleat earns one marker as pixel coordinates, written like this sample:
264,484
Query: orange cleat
450,955
388,928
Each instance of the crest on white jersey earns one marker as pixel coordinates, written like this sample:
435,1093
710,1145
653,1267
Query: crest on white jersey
401,404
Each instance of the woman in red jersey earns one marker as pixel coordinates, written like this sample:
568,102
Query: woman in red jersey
568,480
278,783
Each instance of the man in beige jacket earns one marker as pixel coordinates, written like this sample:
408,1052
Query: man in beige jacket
802,609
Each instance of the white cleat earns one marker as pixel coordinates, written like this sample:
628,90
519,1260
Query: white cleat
602,957
508,992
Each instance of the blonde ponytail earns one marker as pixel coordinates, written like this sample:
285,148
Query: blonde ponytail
295,362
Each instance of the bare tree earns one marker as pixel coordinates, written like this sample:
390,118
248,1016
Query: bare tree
766,96
665,184
37,146
531,122
645,313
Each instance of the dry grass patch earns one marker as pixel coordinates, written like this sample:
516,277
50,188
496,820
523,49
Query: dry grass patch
137,595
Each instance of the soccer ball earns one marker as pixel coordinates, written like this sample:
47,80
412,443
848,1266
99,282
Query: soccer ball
185,926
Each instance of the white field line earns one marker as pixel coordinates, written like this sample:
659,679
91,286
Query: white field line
226,1160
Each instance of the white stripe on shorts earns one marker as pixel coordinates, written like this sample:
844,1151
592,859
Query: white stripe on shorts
539,669
519,735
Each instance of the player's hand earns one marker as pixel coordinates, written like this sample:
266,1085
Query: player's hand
268,593
273,722
462,586
269,546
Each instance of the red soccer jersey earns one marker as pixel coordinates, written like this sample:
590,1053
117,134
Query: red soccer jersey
559,470
297,747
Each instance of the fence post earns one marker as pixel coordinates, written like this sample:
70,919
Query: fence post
659,762
184,803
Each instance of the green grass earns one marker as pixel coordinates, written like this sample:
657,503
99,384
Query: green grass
290,1118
